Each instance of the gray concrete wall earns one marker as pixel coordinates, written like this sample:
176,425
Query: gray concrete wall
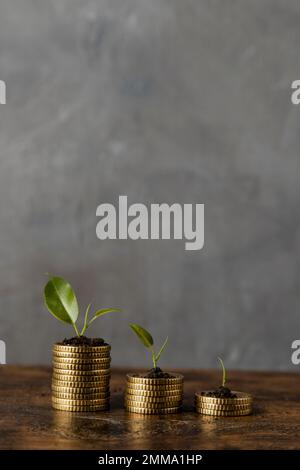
164,101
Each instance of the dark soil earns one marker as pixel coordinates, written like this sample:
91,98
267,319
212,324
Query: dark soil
157,373
83,341
221,392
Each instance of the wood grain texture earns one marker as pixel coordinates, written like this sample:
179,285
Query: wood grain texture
27,420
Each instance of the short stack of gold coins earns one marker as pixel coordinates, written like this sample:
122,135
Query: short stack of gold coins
213,406
81,376
147,395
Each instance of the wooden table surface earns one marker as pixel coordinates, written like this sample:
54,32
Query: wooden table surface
27,420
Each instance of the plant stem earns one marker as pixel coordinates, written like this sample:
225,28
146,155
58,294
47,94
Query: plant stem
85,327
76,329
224,372
86,324
153,358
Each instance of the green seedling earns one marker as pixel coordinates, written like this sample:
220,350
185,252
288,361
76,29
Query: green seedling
147,341
61,301
224,374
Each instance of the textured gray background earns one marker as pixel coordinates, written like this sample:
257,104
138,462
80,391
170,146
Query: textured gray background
164,101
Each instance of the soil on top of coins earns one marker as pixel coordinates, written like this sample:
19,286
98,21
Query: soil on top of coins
221,392
157,373
83,341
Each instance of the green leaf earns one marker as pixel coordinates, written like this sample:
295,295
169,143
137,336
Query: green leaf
101,312
157,357
104,311
60,300
143,334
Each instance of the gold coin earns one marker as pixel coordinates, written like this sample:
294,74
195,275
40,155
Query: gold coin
93,389
222,407
80,355
240,398
208,411
142,399
153,406
175,379
88,396
81,373
81,378
153,388
80,396
154,393
80,402
81,381
87,386
81,360
80,408
81,366
94,402
92,365
147,411
230,404
78,349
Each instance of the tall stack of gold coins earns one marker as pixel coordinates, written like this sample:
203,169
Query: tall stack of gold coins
81,375
241,405
154,395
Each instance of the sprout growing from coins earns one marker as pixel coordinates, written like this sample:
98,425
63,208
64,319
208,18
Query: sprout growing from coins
61,301
147,340
222,391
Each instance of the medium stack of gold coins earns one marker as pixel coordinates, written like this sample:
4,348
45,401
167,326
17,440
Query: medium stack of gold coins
80,380
154,395
239,406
